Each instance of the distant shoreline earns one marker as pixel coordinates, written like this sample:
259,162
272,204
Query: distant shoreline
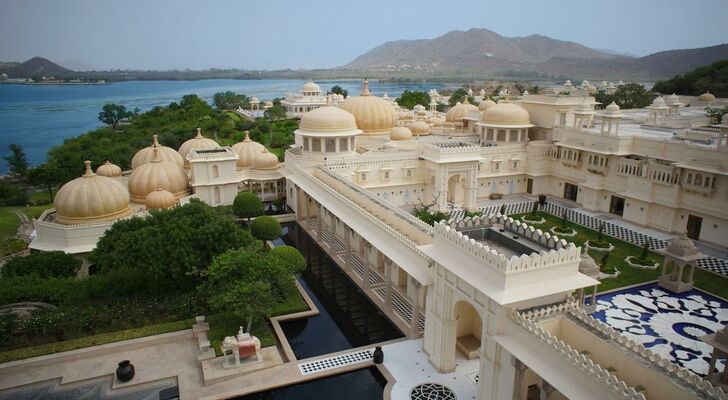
56,83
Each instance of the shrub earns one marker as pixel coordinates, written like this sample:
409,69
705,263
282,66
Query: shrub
52,290
265,228
12,195
247,205
44,265
290,257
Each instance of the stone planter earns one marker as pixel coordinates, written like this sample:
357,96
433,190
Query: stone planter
599,249
609,276
536,222
629,262
559,234
542,199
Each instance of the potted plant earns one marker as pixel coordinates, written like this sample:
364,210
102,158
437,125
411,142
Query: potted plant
542,199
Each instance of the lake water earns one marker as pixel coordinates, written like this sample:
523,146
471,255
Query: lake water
40,116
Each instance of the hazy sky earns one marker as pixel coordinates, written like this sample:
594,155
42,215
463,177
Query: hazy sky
271,34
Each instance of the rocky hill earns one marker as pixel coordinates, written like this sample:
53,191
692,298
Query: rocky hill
486,52
36,67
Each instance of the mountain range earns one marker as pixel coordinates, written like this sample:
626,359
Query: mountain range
485,52
35,67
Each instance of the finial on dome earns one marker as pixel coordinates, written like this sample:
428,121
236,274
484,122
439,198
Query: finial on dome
155,157
466,100
365,89
155,141
88,171
199,133
247,136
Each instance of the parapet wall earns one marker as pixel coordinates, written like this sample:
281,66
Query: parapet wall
545,239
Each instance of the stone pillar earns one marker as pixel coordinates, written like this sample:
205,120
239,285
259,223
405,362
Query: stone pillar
365,274
347,248
441,328
388,279
544,390
518,380
415,320
320,231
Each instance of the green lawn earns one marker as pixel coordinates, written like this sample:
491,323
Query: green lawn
704,280
9,222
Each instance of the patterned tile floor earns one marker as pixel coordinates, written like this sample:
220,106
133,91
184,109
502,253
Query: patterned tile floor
666,323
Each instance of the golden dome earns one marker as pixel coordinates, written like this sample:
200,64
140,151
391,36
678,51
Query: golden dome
160,199
265,160
157,174
460,111
400,133
198,142
485,104
420,128
91,198
374,115
404,115
109,169
707,96
436,121
246,151
327,119
505,113
145,155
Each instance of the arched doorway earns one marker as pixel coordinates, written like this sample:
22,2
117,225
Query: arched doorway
455,190
469,330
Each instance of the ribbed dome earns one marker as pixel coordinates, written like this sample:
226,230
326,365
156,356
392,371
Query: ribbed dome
160,199
157,174
659,102
420,128
145,155
707,96
91,198
673,98
612,108
109,169
311,86
327,119
588,266
373,115
246,151
460,111
485,104
265,160
419,109
436,121
404,115
268,104
506,114
400,133
682,246
198,142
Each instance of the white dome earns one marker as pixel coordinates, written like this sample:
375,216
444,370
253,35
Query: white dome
311,86
673,98
109,169
327,120
146,154
373,115
265,160
485,104
91,198
160,199
420,128
612,107
400,133
588,266
460,111
658,102
246,151
158,174
505,113
707,96
198,142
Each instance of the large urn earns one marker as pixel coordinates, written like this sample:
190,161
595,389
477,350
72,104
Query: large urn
125,371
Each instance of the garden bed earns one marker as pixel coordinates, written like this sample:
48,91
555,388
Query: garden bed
555,230
602,247
639,263
538,221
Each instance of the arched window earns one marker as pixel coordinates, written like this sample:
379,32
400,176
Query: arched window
698,179
215,172
217,195
689,179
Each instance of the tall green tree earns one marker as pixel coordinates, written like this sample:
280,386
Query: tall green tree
47,175
336,89
230,100
630,95
713,78
275,113
17,161
113,114
458,96
409,99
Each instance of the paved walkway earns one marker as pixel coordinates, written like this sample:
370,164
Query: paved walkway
409,366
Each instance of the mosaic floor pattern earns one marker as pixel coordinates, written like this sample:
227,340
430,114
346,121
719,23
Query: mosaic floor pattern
668,324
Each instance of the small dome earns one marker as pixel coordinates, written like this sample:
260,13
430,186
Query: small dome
254,100
420,128
587,265
682,246
157,174
707,96
109,169
437,121
673,98
658,102
505,113
265,160
160,199
268,104
246,151
400,133
328,119
584,107
568,83
146,154
373,115
404,115
311,86
198,142
485,104
612,107
419,109
460,111
91,198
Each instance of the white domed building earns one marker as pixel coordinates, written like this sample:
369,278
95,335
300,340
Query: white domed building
327,132
463,115
247,150
309,98
504,122
157,174
82,211
146,155
373,115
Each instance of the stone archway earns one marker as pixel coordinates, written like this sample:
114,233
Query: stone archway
456,190
469,328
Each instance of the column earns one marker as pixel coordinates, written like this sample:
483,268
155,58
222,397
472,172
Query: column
320,231
691,273
680,273
544,390
518,381
365,275
347,248
415,320
388,278
334,222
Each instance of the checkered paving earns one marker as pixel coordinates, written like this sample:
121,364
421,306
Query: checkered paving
342,360
713,264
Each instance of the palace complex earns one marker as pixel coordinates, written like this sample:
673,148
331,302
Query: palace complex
487,288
